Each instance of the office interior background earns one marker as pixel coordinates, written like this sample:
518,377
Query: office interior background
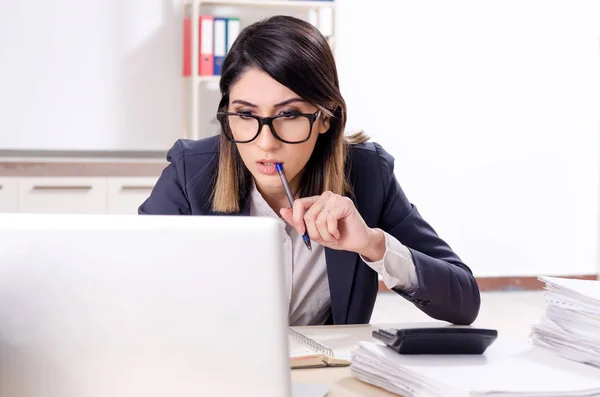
491,110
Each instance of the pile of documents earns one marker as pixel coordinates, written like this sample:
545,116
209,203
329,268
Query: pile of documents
506,369
570,326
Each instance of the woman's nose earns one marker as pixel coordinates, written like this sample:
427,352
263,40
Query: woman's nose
266,140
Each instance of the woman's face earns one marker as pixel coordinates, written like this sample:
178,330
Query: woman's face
259,94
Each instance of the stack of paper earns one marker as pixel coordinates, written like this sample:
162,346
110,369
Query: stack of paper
571,323
504,370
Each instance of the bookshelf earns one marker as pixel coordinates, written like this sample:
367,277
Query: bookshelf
201,93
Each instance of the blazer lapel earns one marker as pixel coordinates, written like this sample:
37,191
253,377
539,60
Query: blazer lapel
245,208
340,272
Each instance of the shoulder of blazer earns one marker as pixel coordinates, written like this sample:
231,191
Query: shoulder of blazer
195,163
368,155
190,148
369,151
364,147
371,170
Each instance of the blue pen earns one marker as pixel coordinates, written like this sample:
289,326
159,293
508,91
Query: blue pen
290,196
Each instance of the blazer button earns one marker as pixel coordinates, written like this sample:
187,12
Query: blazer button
425,303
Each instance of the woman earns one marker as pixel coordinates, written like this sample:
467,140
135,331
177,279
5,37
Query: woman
281,103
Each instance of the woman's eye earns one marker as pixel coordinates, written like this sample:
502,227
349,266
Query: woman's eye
244,114
290,113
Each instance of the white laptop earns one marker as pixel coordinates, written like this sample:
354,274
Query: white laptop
127,306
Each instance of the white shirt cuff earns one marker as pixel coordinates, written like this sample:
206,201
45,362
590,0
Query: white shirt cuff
396,268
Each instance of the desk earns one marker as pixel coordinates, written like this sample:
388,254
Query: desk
341,382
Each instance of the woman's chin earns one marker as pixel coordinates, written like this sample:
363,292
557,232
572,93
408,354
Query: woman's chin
267,181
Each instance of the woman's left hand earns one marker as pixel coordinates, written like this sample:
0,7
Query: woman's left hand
333,221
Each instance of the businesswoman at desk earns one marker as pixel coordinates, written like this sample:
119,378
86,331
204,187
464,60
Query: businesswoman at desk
281,104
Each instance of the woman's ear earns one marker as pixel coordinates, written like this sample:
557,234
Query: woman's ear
325,124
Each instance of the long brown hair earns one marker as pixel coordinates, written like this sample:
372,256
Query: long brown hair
294,53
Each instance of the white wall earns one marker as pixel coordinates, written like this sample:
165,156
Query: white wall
99,75
491,111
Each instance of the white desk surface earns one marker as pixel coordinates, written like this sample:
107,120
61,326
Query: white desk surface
340,382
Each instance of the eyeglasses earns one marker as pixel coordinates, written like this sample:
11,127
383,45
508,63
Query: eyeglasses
289,127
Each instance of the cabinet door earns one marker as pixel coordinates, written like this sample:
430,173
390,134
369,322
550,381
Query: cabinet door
125,195
65,195
9,194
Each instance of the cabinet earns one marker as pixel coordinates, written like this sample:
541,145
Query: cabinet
9,194
125,195
79,195
74,195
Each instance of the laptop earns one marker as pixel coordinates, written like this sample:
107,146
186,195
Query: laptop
127,305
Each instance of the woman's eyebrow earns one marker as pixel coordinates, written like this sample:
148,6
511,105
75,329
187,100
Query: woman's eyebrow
245,103
277,105
288,101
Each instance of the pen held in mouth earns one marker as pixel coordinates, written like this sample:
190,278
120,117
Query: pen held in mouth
290,196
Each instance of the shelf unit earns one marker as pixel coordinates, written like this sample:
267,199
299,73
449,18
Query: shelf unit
192,128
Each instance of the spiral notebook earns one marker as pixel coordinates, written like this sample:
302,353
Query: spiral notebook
305,352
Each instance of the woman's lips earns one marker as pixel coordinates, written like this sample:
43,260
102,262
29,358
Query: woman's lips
267,167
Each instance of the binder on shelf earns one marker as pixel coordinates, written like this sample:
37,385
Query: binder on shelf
233,30
207,61
205,50
220,44
187,47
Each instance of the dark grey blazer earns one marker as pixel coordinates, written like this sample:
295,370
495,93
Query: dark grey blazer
447,289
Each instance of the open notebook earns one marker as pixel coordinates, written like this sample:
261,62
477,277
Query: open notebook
306,352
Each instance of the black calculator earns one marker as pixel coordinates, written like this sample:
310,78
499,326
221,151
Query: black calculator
437,340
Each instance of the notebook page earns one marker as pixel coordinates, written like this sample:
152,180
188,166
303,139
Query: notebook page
302,345
341,340
298,349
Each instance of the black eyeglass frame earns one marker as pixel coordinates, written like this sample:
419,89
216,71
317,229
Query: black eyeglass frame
262,121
